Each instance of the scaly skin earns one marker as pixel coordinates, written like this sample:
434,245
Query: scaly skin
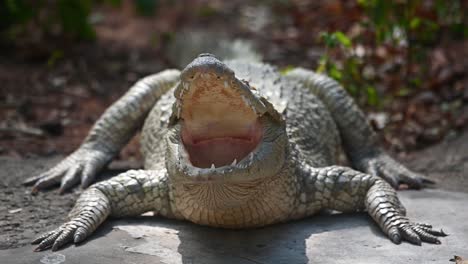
305,119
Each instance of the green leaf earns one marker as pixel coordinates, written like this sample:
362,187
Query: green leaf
328,39
54,57
363,3
335,73
73,15
372,97
415,22
343,39
404,91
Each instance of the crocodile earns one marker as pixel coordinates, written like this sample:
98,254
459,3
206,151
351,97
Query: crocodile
235,144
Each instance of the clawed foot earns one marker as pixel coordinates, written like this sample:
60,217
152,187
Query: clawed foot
82,165
74,231
393,172
414,233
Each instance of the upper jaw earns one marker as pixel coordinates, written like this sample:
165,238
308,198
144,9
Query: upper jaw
249,96
207,69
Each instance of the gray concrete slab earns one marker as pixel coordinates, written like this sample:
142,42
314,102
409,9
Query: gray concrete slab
338,239
350,238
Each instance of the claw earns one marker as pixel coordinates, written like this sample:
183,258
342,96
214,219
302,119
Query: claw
428,181
425,225
443,233
88,175
39,239
47,242
395,235
416,180
62,239
32,180
44,183
80,235
84,161
395,173
410,235
48,179
426,236
417,233
34,191
435,232
37,249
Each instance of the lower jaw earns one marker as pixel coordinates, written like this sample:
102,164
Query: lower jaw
219,152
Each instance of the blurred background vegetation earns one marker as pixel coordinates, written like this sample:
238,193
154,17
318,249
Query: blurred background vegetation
64,61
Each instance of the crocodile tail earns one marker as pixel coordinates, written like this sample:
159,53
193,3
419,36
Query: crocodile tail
186,45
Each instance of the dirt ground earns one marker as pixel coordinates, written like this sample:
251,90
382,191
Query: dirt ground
22,215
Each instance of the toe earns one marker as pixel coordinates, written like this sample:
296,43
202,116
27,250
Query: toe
33,179
426,237
71,178
40,238
64,238
47,242
50,178
388,176
409,235
88,175
80,234
431,231
394,235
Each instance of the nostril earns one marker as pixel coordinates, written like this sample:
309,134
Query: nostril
206,55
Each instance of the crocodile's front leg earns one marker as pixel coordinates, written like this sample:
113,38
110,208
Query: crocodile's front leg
129,194
359,140
347,190
109,134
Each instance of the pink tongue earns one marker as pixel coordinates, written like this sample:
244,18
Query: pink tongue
219,151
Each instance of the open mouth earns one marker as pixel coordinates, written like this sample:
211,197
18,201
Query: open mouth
219,127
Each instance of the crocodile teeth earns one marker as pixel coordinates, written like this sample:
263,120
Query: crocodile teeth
181,94
234,162
253,109
185,85
213,166
226,84
246,102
